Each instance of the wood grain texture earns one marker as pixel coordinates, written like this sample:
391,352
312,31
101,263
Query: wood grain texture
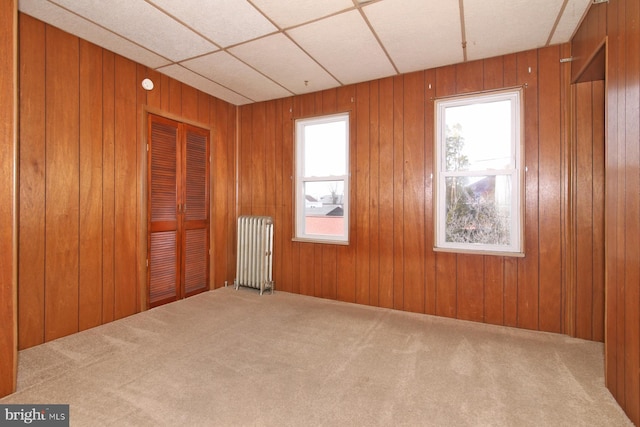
61,184
632,210
125,182
108,186
413,202
385,186
598,173
90,179
32,187
8,195
589,211
528,268
361,194
549,180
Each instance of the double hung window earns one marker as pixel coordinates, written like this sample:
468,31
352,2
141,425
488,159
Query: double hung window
322,179
479,173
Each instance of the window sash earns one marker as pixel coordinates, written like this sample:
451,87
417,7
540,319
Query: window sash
303,227
513,171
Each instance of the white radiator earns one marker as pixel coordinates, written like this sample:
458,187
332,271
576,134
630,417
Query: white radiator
254,263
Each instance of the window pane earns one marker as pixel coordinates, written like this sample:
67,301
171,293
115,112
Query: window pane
325,149
478,209
324,208
479,136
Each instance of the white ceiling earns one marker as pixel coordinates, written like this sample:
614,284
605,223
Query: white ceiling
245,51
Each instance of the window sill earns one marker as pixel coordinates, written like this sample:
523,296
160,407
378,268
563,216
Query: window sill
480,252
321,241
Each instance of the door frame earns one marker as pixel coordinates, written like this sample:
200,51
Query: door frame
143,231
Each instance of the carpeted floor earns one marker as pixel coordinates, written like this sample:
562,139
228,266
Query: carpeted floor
230,357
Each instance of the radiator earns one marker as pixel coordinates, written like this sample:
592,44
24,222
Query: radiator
254,263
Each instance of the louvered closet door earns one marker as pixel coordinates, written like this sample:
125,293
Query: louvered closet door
164,264
178,210
195,211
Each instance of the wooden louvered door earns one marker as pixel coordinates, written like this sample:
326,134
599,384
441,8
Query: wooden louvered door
178,223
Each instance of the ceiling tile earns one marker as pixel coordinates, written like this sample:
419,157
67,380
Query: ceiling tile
496,27
289,13
347,48
144,24
431,34
73,24
569,21
225,22
228,71
192,79
269,54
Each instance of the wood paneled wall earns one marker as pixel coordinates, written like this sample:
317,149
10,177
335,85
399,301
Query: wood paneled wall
390,261
8,195
620,21
588,191
82,237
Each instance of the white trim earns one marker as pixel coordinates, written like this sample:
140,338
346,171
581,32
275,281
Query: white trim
514,172
300,233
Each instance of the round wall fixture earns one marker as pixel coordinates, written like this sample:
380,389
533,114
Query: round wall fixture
147,84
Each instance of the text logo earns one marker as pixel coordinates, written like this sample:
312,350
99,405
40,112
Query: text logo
34,415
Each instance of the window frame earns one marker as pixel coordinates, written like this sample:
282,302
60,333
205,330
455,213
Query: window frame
516,245
299,233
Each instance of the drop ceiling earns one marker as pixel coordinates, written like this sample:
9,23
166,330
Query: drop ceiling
245,51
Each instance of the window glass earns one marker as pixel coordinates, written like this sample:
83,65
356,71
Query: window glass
478,203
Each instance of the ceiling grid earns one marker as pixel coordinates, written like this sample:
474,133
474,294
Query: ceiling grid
245,51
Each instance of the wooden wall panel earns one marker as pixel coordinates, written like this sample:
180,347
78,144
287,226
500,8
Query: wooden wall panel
8,195
584,209
290,249
429,235
528,273
108,186
223,233
32,182
589,206
90,232
398,192
632,209
361,195
550,200
385,188
61,184
598,173
82,157
413,202
125,183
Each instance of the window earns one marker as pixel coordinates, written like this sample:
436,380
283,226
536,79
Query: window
478,173
322,179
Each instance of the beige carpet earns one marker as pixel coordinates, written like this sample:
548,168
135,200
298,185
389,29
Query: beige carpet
230,357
